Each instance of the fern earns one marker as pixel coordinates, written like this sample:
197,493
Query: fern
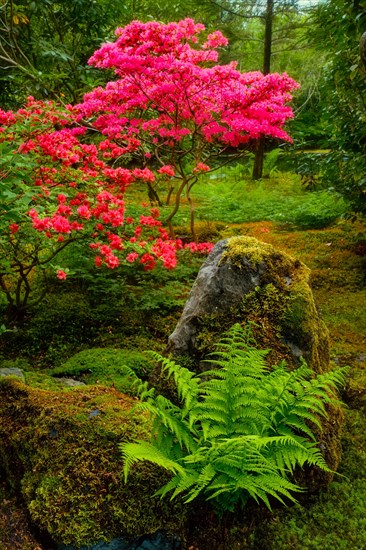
242,428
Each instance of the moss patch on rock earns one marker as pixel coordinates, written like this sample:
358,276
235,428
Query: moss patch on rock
109,366
59,450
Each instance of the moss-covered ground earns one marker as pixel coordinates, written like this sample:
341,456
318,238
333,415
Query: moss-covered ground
91,328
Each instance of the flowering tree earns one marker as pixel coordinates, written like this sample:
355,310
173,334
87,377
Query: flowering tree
171,115
55,189
176,110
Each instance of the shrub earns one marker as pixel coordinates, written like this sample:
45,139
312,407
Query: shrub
241,430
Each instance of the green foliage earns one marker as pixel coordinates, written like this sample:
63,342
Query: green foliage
234,199
336,30
45,45
54,330
16,260
241,429
107,366
317,210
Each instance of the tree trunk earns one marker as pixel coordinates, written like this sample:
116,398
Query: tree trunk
268,18
363,49
258,160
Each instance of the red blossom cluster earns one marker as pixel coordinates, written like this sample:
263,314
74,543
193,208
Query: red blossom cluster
171,104
76,194
168,88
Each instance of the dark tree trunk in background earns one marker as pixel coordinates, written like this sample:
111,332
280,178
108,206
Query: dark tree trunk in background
363,49
268,37
259,152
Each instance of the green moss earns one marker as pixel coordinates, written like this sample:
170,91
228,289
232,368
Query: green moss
42,381
108,366
66,463
303,326
356,390
255,252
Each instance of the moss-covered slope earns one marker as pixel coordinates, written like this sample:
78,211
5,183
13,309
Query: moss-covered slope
59,450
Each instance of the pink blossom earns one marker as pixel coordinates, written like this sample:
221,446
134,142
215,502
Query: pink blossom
84,212
201,167
203,248
168,170
60,224
215,39
149,220
14,228
131,257
112,261
61,274
145,174
148,262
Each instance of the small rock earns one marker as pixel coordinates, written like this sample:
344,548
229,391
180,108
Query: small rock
13,371
69,382
158,541
94,412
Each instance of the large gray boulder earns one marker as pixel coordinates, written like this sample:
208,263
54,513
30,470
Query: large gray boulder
244,280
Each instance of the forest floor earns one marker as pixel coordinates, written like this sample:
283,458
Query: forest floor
336,256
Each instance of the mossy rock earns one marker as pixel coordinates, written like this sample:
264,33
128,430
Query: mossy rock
108,366
59,451
247,281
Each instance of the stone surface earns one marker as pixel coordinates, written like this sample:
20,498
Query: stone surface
245,280
13,371
218,287
158,541
69,382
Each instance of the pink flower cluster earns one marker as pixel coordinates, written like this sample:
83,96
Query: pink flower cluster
164,72
167,170
172,106
202,248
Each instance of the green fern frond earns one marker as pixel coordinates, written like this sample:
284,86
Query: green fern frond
180,483
206,475
141,451
167,415
300,426
186,382
241,429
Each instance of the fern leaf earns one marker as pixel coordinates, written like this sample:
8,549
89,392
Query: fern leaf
142,450
204,478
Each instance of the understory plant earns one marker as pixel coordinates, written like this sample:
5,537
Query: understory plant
241,428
